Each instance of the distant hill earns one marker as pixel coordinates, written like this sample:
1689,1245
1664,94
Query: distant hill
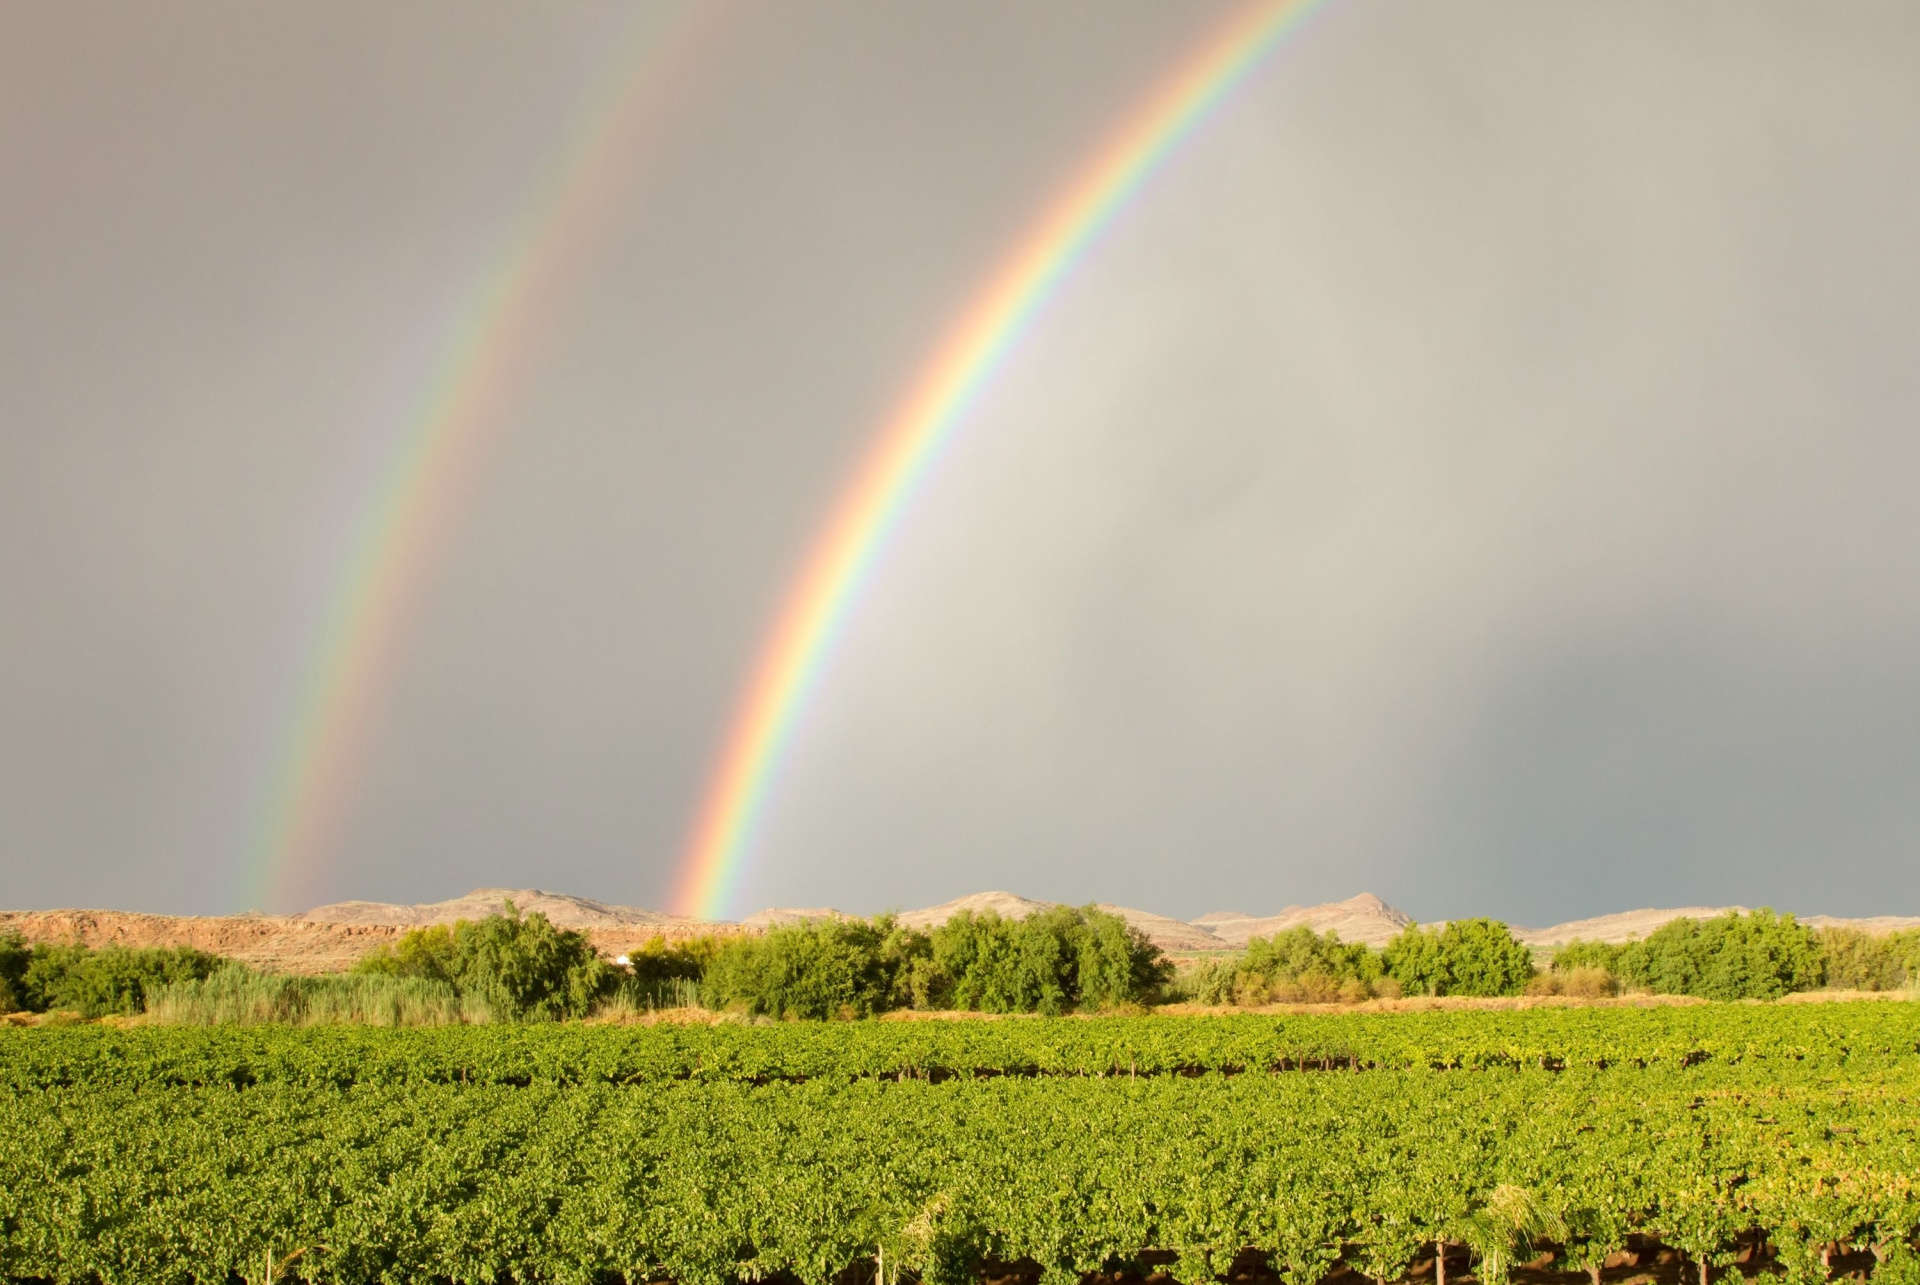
563,909
1630,925
1363,918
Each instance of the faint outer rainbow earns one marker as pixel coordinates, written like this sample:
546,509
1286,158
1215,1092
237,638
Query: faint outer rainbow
936,403
416,495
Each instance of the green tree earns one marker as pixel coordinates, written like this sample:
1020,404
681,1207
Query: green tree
521,966
1483,958
1416,961
814,969
1761,955
1467,957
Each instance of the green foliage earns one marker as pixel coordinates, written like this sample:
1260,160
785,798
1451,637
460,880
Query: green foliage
110,980
1753,956
517,967
1467,957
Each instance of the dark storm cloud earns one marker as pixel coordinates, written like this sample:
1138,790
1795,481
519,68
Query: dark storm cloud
1476,469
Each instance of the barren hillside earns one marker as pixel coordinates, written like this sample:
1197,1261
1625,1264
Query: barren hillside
1362,918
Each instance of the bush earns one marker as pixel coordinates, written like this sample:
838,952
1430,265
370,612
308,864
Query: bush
1578,954
1575,983
111,980
1854,960
1208,982
520,968
1468,957
1753,956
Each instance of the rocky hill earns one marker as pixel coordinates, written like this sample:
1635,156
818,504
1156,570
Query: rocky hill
1630,925
1363,918
562,909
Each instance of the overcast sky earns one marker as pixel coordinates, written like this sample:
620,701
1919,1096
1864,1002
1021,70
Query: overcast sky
1480,468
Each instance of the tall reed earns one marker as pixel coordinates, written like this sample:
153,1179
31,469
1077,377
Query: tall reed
238,995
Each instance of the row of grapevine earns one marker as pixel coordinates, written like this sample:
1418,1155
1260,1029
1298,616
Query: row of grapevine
704,1182
1852,1035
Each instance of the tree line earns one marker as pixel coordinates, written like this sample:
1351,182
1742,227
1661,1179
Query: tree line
513,967
1755,955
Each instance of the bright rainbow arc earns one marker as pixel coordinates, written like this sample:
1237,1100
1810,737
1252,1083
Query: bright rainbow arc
490,355
791,661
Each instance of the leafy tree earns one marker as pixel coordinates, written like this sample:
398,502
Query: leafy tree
814,969
1051,961
522,967
1118,964
1760,955
1483,958
1467,957
1416,961
527,969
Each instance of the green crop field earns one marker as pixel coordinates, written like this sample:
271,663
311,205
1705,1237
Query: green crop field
1742,1138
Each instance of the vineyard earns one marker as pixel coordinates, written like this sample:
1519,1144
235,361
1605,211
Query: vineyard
1747,1139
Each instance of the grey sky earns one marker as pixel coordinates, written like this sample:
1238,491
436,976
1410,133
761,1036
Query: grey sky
1478,469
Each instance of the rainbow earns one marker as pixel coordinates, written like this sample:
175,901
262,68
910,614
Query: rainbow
978,341
488,358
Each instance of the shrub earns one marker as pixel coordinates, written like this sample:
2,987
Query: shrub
111,980
1854,960
1589,983
1211,981
1575,983
1578,954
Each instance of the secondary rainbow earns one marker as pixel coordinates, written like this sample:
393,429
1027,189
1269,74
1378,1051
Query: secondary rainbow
492,348
936,402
